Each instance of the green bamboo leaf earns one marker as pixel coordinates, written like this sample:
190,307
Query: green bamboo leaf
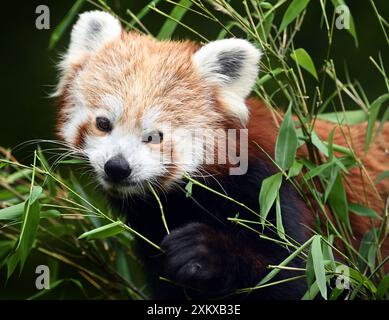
285,262
328,254
295,169
302,58
105,231
176,15
374,109
318,265
12,213
188,189
30,222
312,292
65,23
50,214
309,271
335,293
338,200
280,226
264,26
357,278
20,174
347,117
294,9
268,76
367,249
146,9
363,211
383,287
269,191
286,144
318,170
12,262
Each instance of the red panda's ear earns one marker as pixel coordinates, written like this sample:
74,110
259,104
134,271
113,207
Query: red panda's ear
92,30
231,65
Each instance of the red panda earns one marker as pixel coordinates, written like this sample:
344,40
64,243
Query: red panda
126,99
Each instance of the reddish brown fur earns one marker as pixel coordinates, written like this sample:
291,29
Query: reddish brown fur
359,183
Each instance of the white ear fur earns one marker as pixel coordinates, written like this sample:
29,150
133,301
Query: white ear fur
232,65
92,30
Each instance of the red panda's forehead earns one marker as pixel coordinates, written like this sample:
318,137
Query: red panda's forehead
141,73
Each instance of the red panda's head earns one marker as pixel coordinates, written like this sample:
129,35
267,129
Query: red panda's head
128,101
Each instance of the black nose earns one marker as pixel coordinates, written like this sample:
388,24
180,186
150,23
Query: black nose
117,168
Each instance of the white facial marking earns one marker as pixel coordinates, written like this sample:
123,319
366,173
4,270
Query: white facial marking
112,106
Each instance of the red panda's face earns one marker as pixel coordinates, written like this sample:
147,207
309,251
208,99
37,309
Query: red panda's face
133,105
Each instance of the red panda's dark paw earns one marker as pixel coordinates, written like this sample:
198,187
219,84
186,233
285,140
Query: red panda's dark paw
197,258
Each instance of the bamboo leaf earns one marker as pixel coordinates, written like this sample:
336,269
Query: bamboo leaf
30,223
302,58
367,249
338,200
383,287
65,23
294,9
286,144
295,169
312,292
363,211
267,196
309,271
318,265
347,117
12,213
279,225
176,15
188,189
317,170
374,109
146,9
105,231
285,262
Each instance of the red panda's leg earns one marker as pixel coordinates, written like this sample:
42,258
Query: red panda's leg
201,257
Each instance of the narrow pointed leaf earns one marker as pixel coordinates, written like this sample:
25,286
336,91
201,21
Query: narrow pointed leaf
363,211
30,223
176,15
304,60
12,213
318,266
105,231
286,144
267,196
294,9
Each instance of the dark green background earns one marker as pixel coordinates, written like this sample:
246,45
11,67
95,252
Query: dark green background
28,71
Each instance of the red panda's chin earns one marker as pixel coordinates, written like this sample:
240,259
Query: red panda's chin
120,191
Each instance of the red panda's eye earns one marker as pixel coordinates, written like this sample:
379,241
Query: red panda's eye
154,137
103,124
